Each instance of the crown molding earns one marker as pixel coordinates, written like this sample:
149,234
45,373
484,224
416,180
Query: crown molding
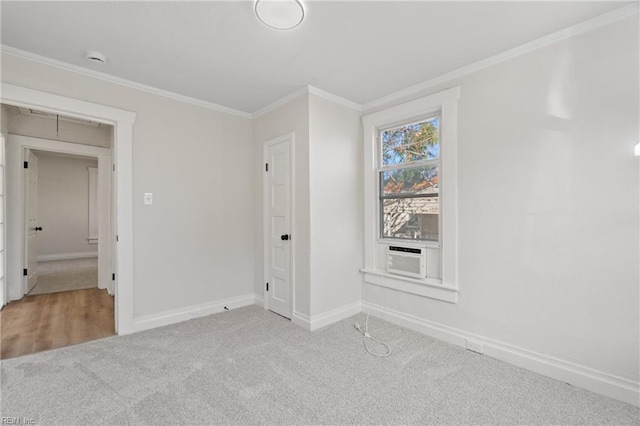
12,51
334,98
564,34
280,102
307,90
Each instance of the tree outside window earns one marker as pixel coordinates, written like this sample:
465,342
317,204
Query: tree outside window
409,181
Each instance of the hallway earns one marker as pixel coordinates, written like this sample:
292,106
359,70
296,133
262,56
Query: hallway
57,276
48,321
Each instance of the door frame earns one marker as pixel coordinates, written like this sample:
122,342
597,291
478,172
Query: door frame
21,145
4,294
265,228
25,190
122,156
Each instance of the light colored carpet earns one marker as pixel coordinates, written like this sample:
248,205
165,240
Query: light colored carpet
249,366
66,275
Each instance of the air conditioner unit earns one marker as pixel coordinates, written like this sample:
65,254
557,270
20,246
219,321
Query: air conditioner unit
408,261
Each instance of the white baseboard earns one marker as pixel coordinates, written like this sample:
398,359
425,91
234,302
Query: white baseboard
148,322
326,318
67,256
301,320
258,300
578,375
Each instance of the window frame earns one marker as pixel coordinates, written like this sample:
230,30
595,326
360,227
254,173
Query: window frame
413,164
444,104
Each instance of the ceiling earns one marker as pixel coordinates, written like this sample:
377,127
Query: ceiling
219,52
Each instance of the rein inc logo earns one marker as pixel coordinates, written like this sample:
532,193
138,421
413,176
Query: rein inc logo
17,421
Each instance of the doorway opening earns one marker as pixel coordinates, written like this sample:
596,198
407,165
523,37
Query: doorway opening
62,219
61,226
122,184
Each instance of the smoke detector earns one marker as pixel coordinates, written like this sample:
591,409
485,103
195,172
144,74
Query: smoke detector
95,57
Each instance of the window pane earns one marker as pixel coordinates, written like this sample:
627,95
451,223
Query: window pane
412,142
412,180
410,218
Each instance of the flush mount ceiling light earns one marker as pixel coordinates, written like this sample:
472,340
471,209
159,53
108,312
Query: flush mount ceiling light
280,14
95,57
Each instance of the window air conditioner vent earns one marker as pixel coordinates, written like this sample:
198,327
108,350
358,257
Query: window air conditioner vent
408,261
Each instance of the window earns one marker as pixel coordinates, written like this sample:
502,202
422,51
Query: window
408,177
410,193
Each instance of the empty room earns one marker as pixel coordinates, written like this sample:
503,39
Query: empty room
320,212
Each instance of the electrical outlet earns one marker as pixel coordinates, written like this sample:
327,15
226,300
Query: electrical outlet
474,346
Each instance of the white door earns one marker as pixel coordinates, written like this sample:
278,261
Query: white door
31,262
277,202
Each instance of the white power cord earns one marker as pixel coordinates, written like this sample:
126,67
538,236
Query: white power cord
366,336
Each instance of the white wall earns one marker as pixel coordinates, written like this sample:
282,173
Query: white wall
335,174
4,123
45,128
328,208
549,205
194,245
4,119
63,205
291,117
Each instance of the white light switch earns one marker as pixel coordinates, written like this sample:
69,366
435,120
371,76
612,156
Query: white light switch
148,198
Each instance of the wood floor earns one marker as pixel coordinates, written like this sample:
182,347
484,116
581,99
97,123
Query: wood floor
38,323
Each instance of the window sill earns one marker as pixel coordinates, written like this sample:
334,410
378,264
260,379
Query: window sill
431,288
412,243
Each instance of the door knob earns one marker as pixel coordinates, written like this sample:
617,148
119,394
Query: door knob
38,228
284,237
